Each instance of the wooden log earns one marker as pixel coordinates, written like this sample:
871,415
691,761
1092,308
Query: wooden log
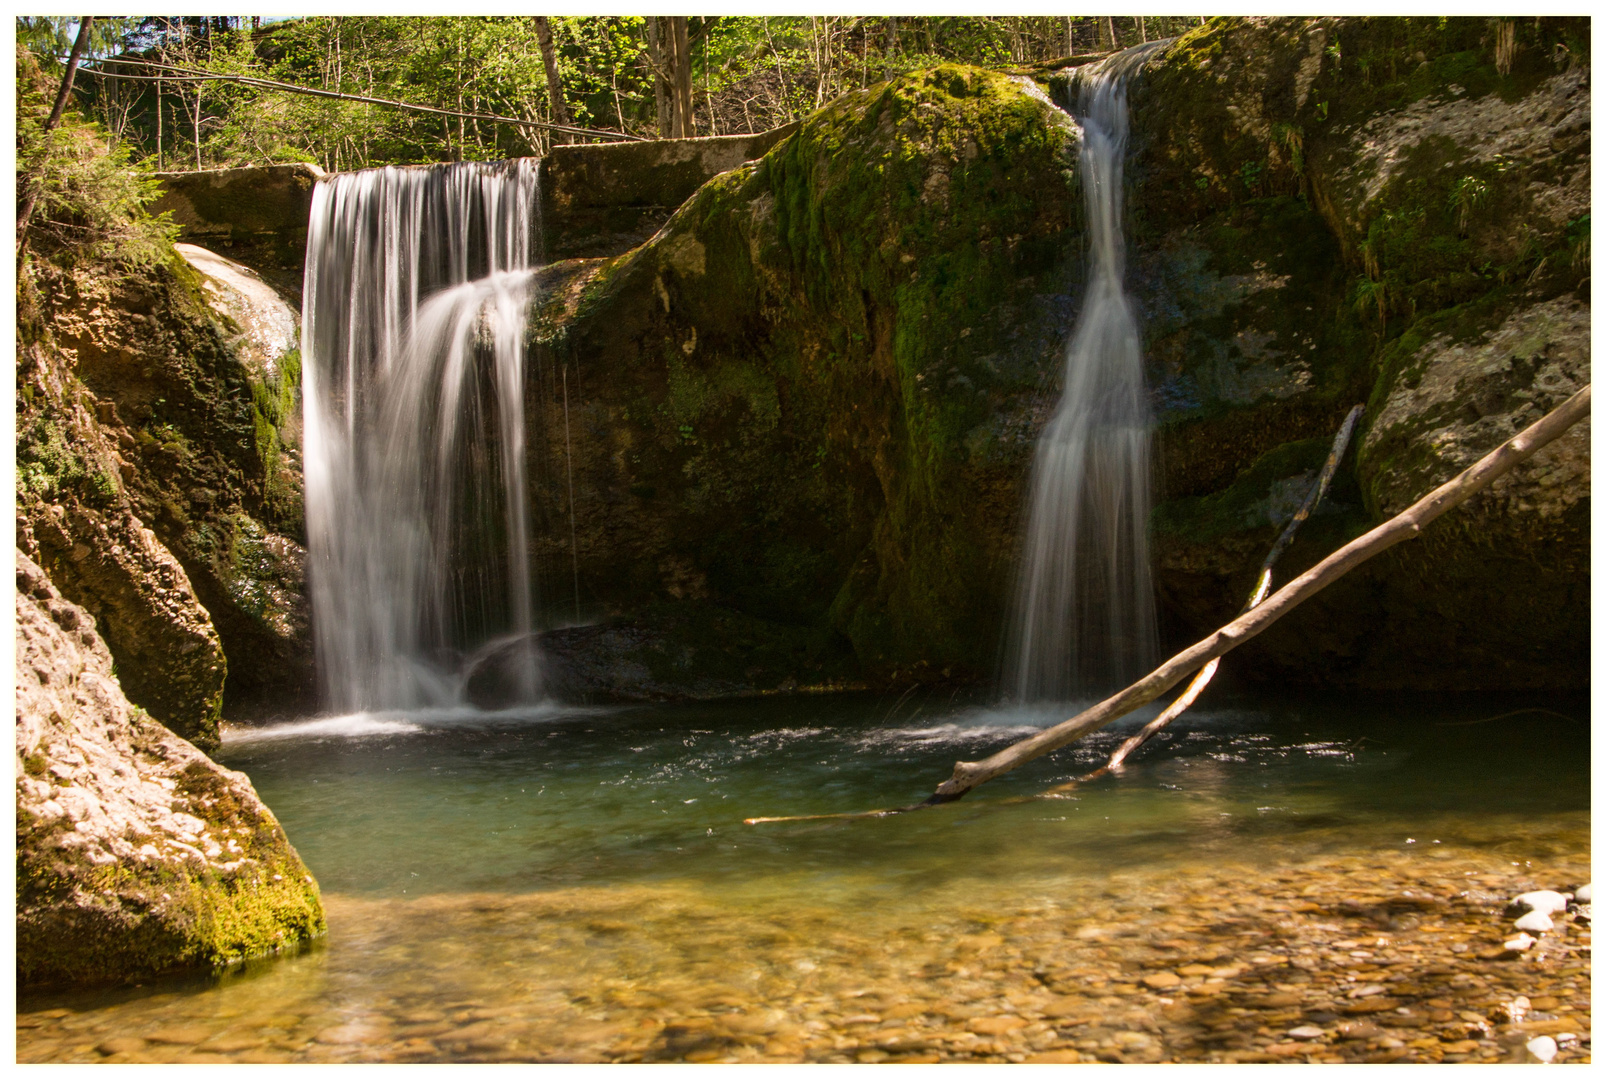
1406,525
1263,585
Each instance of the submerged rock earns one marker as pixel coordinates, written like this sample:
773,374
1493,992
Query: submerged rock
1536,922
136,854
1543,901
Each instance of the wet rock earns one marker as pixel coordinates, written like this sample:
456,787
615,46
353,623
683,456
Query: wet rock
1536,922
1306,1031
1582,894
1541,1048
1542,901
1521,943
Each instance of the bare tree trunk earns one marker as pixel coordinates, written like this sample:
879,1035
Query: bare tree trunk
80,43
1263,583
891,47
555,90
1404,526
1143,36
682,85
1071,42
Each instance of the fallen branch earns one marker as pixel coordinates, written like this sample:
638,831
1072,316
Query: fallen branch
1403,526
174,73
1263,584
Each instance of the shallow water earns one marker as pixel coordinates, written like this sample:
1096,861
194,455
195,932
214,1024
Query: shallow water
578,884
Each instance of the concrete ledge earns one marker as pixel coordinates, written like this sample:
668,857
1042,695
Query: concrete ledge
597,199
256,216
605,198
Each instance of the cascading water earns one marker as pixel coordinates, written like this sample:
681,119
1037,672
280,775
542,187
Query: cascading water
417,285
1084,608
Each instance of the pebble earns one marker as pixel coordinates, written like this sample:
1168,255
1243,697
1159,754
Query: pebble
1582,894
1354,974
1542,1048
1542,900
1521,943
1536,922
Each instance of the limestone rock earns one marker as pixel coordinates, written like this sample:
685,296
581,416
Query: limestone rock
136,854
164,640
187,425
1535,922
1544,901
269,328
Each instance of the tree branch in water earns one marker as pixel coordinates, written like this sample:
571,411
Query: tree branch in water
1403,526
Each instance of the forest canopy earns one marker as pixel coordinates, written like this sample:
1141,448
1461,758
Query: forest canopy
168,92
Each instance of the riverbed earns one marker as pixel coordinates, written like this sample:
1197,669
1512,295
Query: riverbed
1276,879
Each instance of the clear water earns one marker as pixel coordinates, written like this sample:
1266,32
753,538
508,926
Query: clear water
578,882
556,797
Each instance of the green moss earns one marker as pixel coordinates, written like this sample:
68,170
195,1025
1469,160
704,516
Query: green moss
1261,497
162,915
47,464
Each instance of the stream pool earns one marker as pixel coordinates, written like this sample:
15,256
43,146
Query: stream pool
569,884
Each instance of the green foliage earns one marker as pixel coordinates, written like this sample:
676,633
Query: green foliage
91,203
749,73
47,465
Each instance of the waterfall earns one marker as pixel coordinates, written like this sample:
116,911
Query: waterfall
413,384
1084,616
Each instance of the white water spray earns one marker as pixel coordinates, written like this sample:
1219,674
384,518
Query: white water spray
413,382
1085,607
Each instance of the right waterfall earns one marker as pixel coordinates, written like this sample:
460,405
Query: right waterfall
1084,611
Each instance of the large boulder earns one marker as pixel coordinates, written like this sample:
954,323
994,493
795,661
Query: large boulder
810,399
136,854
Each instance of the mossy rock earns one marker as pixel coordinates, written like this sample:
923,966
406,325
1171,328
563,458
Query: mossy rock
811,397
136,854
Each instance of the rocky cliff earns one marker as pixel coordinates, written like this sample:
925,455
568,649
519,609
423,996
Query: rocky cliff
158,477
799,418
136,854
1389,211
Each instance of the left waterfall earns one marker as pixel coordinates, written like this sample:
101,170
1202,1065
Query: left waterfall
418,283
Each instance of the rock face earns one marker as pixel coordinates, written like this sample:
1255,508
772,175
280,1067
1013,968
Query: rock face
604,198
136,854
158,421
1387,211
809,400
255,215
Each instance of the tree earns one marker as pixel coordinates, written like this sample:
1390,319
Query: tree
86,24
549,60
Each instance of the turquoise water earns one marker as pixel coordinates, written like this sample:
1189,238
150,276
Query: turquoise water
417,804
569,884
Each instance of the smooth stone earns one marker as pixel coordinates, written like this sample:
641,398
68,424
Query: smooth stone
996,1025
1161,980
1055,1057
1582,894
1542,900
121,1044
1521,943
1535,922
181,1036
1306,1031
1542,1048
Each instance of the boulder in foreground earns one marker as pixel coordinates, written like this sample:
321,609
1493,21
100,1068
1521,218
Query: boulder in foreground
136,853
